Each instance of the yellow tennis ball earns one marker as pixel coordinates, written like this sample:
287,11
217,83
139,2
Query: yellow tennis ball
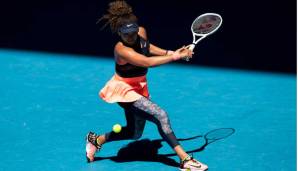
117,128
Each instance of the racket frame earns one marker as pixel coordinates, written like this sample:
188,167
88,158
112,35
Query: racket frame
202,36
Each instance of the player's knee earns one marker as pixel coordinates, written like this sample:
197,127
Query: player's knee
137,134
131,133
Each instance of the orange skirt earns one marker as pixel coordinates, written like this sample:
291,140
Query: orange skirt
119,89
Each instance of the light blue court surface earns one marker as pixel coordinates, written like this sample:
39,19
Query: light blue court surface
50,101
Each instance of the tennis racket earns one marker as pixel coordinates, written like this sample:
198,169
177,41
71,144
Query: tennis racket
217,134
203,26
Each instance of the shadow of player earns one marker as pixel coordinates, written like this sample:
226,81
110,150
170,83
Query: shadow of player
147,150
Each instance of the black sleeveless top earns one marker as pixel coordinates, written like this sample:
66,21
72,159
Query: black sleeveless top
128,70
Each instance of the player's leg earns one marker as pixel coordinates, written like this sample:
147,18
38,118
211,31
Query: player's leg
133,130
134,126
152,112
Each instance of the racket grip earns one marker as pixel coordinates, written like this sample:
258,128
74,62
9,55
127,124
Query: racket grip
191,47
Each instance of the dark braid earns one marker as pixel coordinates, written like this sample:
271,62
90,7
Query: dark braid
119,13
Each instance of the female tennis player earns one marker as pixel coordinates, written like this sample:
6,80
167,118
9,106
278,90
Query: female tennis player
128,87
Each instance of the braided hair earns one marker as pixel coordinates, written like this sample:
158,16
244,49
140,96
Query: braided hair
119,13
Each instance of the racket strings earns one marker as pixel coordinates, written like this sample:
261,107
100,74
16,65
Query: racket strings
206,24
219,134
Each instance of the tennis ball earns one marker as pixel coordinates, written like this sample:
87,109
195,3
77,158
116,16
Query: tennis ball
117,128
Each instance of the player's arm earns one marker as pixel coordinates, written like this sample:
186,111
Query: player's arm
129,55
158,51
154,50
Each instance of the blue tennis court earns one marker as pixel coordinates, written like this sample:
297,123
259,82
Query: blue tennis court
49,102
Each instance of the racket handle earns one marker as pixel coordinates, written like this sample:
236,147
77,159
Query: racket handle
191,47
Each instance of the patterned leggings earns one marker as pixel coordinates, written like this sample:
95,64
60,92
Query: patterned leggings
136,114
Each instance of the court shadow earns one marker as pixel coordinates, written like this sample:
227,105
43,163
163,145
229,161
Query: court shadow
147,150
141,150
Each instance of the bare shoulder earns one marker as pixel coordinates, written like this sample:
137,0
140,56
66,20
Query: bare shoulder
119,47
142,32
122,50
118,53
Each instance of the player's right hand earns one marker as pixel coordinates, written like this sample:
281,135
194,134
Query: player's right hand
184,52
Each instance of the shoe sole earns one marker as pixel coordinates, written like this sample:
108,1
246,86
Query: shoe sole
193,170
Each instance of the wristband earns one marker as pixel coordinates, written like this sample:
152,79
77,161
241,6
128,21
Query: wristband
167,52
